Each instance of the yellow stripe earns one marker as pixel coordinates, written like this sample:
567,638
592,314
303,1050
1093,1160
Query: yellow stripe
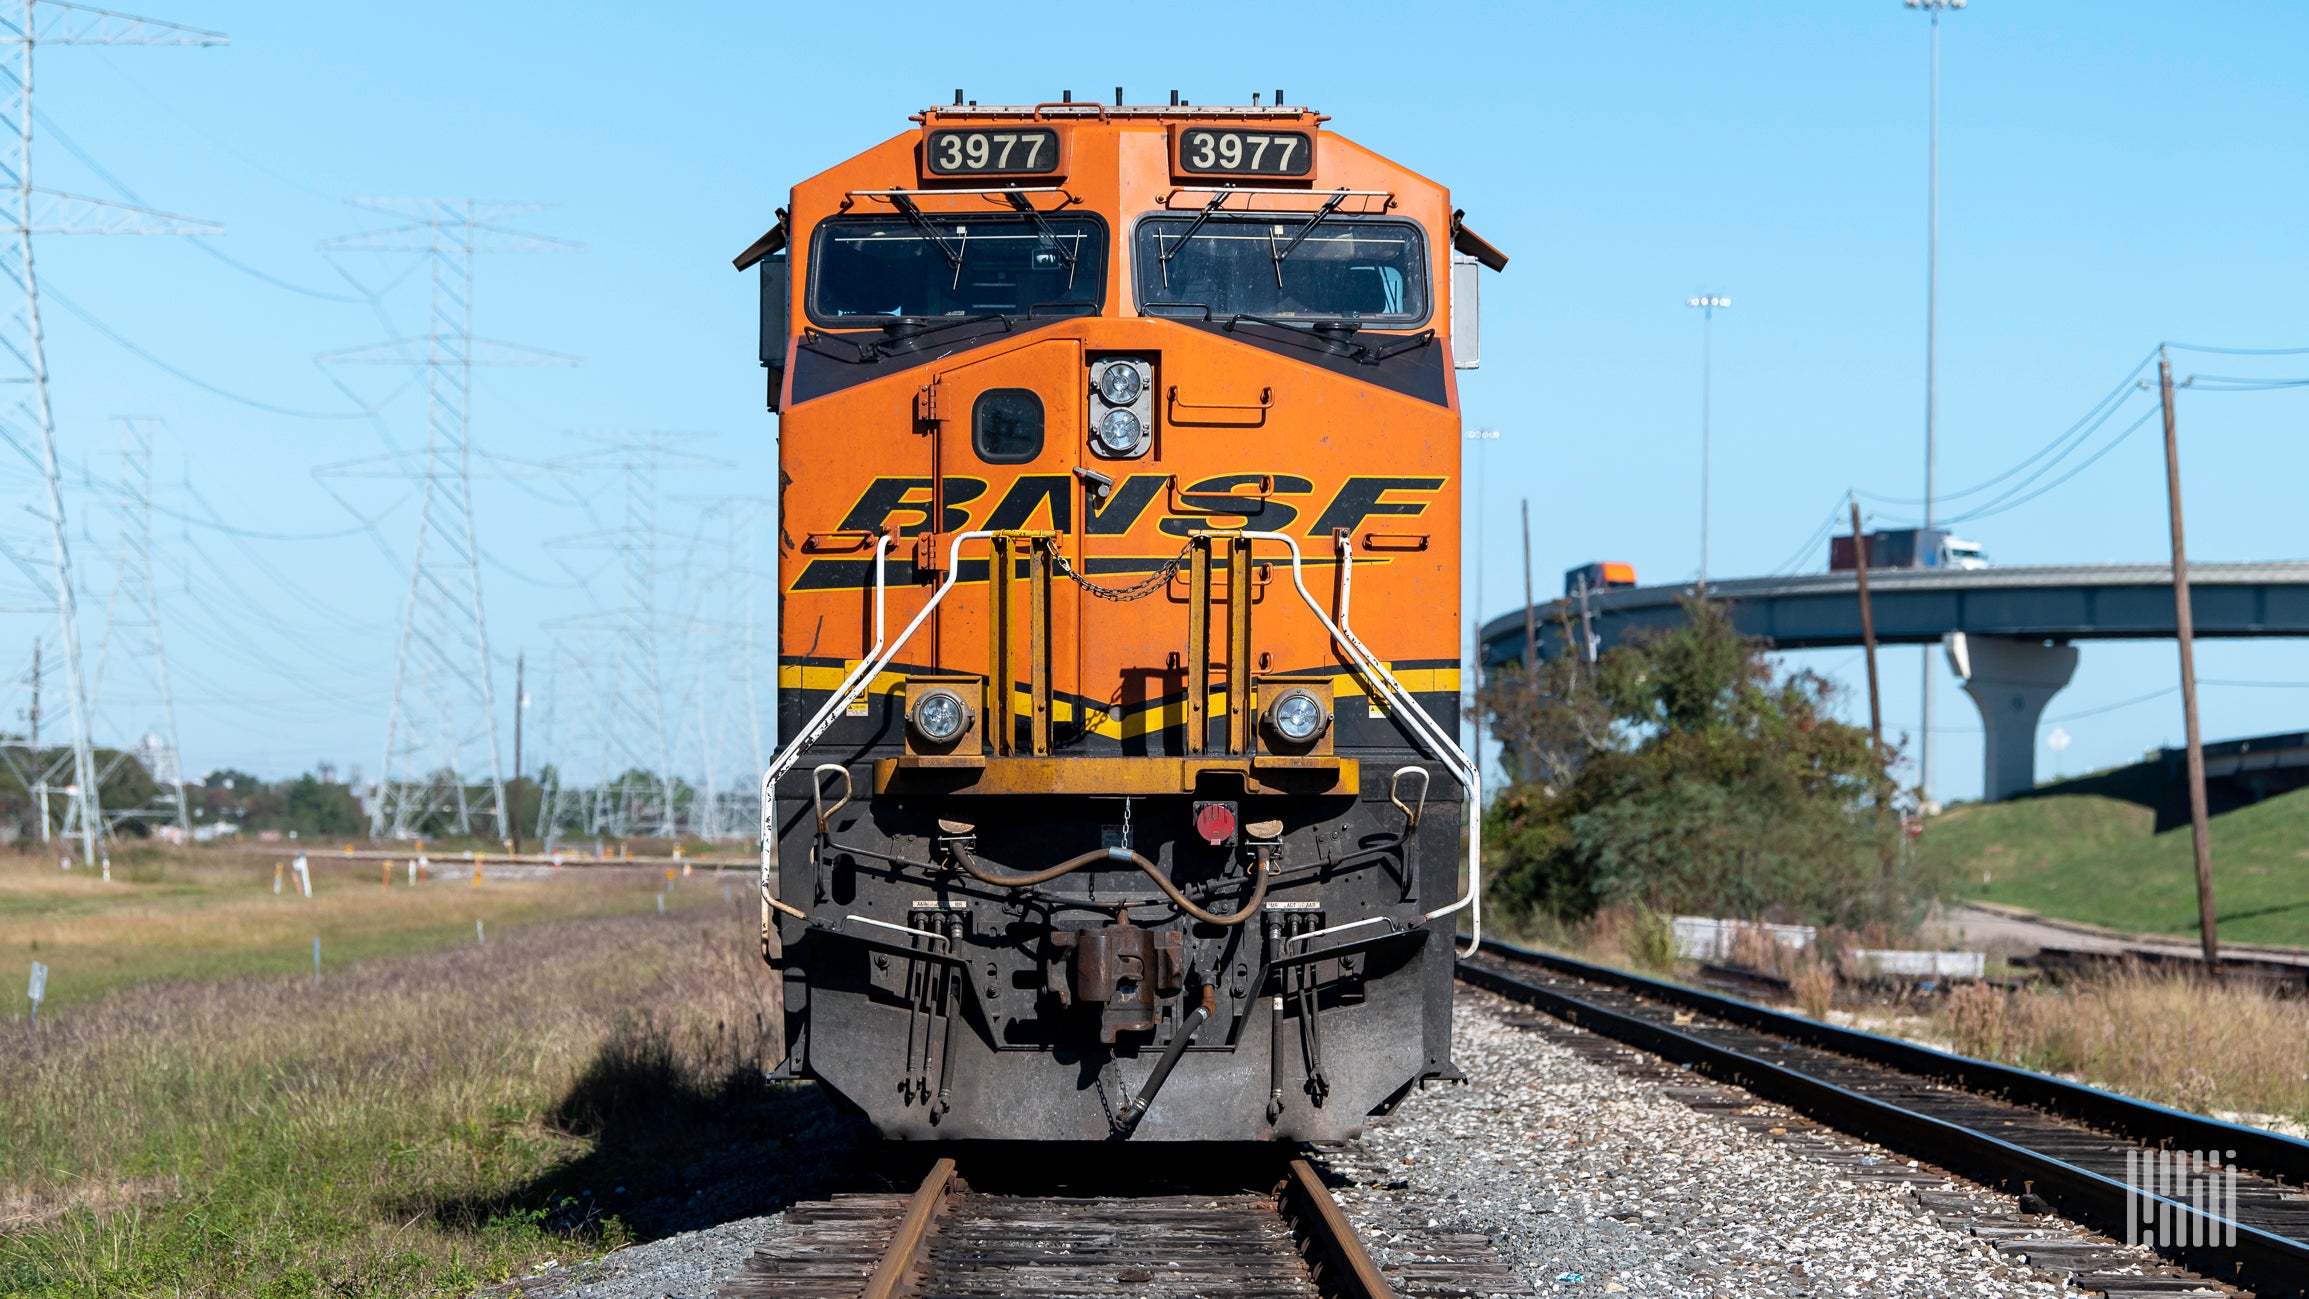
1154,718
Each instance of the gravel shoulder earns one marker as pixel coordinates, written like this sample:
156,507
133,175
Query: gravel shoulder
1591,1171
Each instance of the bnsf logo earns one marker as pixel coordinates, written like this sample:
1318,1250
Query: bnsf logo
1223,501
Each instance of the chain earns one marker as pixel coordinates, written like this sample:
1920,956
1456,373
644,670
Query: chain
1135,591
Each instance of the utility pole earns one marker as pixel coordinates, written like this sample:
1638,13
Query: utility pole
2184,631
39,763
1867,632
520,706
1931,363
1707,303
1530,617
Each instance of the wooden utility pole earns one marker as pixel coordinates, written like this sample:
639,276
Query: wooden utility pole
2184,632
1867,631
1530,619
520,706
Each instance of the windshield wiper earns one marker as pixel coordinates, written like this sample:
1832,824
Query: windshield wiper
1166,254
930,232
1330,205
1043,228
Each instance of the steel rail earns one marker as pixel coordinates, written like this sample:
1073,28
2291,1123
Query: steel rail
892,1274
2257,1148
1344,1267
2264,1261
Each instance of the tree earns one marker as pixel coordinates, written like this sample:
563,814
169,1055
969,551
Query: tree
1684,772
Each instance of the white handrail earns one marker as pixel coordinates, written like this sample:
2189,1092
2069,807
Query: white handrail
852,686
1375,675
1424,728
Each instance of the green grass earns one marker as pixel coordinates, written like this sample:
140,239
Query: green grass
2095,858
212,914
417,1124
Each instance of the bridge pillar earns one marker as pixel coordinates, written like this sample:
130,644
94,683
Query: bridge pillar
2010,681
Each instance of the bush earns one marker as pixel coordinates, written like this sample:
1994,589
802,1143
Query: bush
1683,772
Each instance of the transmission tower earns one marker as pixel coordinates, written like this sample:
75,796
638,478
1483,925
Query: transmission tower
444,692
30,424
634,716
132,618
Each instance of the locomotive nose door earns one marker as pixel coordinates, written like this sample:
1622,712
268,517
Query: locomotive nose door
1008,435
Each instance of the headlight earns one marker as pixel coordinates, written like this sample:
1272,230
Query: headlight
1119,431
1121,384
940,716
1297,716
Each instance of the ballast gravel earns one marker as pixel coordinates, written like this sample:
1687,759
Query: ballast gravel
1587,1179
691,1265
1590,1181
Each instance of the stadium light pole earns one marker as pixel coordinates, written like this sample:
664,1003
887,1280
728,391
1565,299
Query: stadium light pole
1932,8
1708,305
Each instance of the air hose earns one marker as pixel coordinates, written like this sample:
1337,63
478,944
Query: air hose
1259,872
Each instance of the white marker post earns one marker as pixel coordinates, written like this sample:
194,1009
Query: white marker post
38,990
478,939
304,875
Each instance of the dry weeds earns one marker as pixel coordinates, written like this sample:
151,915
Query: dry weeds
2178,1040
407,1125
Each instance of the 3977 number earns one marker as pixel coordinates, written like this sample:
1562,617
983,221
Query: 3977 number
1246,153
1026,151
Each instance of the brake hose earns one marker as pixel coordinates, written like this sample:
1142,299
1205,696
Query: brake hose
1259,871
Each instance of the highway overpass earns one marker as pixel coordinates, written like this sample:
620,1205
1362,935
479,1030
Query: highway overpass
2018,625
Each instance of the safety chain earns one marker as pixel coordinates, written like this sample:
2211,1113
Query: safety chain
1135,591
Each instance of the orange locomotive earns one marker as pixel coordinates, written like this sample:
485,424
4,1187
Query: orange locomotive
1118,639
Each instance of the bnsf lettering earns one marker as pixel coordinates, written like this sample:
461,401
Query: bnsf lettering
1215,503
1360,499
884,497
1120,512
1019,505
1219,502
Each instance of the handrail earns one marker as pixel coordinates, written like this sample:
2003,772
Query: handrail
852,686
1187,412
1423,728
1375,675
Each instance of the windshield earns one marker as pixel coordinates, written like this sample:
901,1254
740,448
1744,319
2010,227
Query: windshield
1345,268
870,270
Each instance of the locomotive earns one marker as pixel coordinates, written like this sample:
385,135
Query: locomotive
1118,651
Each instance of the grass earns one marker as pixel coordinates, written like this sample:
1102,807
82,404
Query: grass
419,1123
2100,859
2222,1049
212,913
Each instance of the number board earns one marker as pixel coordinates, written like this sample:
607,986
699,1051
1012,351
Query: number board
1230,151
991,151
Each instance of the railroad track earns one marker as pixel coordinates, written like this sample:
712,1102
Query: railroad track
2082,1151
1244,1226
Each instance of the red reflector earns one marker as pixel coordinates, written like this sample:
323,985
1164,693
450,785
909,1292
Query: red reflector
1215,822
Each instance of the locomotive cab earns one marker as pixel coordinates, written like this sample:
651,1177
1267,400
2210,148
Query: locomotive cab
1118,651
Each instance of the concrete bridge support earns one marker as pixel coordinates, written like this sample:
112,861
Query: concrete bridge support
2010,681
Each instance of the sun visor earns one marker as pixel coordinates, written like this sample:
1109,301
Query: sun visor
1464,240
769,245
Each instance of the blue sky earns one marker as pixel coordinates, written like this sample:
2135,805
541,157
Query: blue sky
2113,174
